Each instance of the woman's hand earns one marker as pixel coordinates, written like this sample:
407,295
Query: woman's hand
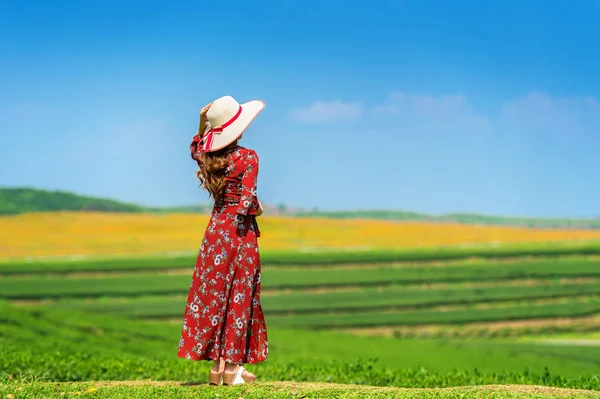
203,119
204,110
260,209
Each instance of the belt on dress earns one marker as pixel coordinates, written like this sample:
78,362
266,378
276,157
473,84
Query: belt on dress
255,224
242,218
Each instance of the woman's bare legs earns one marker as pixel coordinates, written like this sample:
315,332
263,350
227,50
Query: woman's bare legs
218,366
215,376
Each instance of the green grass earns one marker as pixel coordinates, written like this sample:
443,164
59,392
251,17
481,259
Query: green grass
104,264
433,254
37,287
82,337
47,344
179,390
403,297
426,317
294,258
369,299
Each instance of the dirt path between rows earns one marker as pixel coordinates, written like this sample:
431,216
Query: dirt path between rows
569,341
590,322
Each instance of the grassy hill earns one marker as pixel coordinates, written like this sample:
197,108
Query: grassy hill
23,200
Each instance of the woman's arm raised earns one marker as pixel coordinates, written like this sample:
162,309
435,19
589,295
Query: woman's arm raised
249,183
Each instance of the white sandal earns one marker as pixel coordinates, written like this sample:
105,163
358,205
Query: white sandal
236,378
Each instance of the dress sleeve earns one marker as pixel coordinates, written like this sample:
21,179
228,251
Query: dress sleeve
195,148
249,183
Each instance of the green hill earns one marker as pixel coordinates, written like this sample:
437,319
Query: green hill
22,200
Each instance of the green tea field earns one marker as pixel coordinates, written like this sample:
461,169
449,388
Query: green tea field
420,324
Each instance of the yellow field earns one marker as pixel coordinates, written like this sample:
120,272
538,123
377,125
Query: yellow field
73,233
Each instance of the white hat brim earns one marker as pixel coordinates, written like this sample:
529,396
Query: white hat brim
232,132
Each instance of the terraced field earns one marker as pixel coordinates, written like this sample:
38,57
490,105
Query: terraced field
337,296
49,344
445,317
393,298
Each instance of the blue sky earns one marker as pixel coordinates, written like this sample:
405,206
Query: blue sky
432,106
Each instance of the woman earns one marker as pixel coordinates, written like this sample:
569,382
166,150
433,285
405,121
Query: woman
223,318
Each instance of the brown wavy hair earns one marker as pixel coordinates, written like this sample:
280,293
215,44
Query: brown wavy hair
212,171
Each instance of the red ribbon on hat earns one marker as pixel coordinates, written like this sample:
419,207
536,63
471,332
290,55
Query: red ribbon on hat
210,135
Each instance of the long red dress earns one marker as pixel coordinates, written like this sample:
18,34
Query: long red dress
223,316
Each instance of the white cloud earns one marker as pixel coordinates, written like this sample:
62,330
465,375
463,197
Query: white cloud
321,112
533,113
448,109
539,112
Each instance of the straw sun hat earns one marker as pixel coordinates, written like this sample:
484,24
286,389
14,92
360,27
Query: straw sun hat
226,121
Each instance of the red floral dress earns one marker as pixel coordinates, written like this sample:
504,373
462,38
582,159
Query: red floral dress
223,316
